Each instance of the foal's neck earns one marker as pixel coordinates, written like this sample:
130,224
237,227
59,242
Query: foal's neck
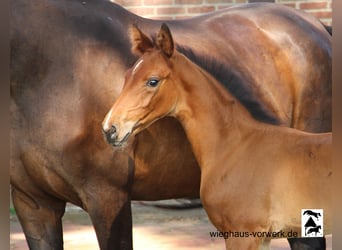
214,120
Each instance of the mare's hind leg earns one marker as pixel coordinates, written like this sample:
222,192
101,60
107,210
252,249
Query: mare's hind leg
41,220
307,243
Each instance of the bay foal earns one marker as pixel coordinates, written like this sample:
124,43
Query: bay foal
255,177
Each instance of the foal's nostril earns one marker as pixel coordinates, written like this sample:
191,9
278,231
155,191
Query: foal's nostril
110,134
112,130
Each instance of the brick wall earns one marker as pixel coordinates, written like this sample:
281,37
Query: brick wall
319,8
175,9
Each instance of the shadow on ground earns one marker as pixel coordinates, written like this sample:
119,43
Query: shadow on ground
155,228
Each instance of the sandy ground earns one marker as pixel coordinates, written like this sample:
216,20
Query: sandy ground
154,228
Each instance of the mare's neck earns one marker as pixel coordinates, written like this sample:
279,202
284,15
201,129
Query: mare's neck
214,120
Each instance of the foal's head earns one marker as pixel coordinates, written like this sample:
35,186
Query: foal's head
149,92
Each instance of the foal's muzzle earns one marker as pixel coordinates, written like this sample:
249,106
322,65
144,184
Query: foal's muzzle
112,136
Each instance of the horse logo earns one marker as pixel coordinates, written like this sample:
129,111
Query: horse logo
314,230
312,222
311,213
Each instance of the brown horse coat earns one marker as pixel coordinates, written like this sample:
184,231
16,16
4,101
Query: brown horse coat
255,177
68,60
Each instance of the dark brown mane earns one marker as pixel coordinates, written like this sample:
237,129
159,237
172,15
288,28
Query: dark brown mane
233,82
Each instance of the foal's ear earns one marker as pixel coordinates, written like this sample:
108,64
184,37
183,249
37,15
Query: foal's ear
165,41
140,42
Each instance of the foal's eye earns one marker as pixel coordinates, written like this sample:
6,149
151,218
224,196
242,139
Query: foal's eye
153,82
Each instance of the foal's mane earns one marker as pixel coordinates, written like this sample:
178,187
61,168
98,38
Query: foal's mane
233,83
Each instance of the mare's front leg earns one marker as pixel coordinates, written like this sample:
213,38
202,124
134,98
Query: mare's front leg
41,220
109,206
111,216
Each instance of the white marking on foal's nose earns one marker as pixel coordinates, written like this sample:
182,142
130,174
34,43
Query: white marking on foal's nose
106,125
137,65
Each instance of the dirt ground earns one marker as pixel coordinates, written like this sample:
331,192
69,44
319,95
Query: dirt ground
153,228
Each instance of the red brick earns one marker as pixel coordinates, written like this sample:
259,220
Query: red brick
130,2
201,9
321,14
311,6
142,11
218,2
258,1
158,2
170,11
188,1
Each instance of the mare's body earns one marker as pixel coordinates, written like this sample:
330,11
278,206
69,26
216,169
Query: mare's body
68,60
255,177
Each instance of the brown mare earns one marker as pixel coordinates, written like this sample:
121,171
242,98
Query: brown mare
68,60
255,177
